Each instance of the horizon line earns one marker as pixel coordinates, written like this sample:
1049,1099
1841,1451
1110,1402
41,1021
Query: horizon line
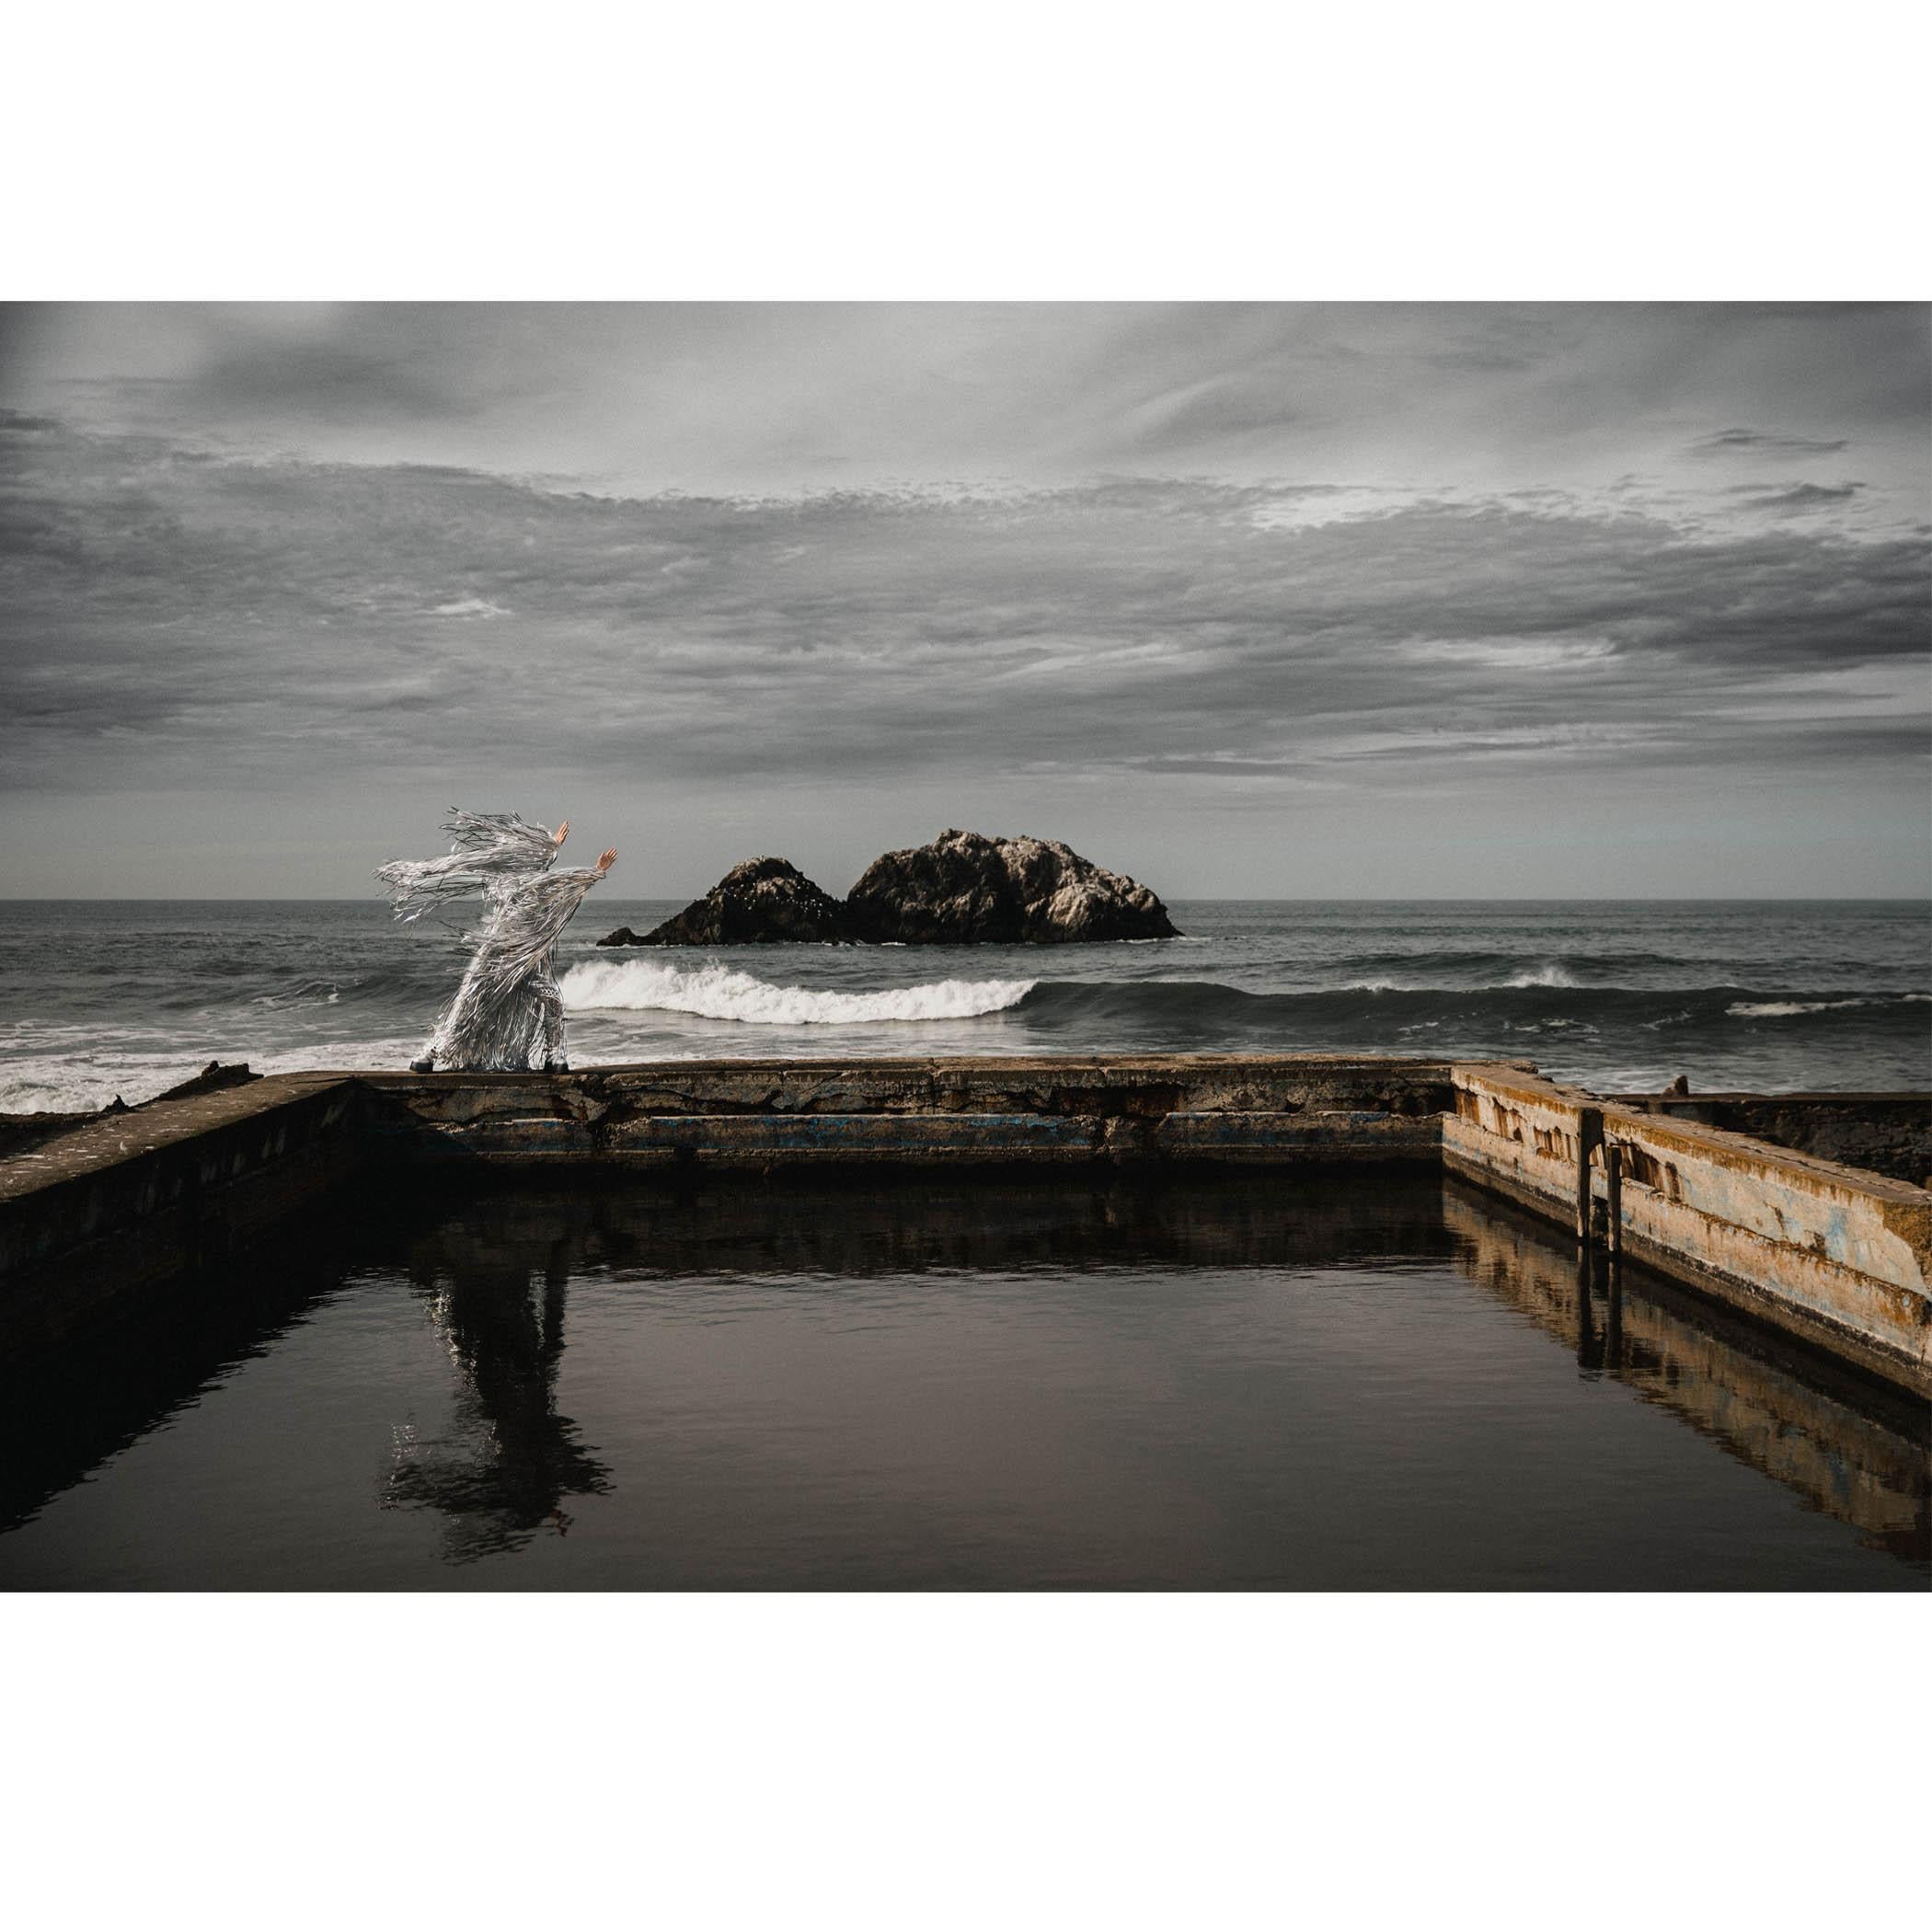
1180,899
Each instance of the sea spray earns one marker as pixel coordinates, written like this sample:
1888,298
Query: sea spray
718,992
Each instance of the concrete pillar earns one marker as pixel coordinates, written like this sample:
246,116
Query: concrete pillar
1614,1181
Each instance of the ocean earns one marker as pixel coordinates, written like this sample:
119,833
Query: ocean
102,998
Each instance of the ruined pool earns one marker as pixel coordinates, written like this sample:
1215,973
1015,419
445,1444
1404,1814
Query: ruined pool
1327,1380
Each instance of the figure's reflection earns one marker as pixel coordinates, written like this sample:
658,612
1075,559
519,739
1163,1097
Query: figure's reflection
509,1464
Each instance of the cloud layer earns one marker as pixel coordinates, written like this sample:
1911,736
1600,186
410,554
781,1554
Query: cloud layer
198,612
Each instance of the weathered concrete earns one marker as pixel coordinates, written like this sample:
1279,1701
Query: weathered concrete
1889,1133
1838,1258
1841,1258
739,1113
94,1218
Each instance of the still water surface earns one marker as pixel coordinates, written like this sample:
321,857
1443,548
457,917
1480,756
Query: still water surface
1362,1382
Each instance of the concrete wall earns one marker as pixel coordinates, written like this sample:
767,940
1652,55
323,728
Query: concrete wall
93,1219
1073,1110
1886,1133
1839,1257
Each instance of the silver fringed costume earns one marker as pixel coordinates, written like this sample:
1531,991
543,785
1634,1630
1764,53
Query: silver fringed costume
508,1002
490,852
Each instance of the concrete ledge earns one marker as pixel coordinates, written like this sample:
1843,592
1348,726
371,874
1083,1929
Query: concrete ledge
1064,1108
1888,1134
109,1209
1839,1257
1146,1084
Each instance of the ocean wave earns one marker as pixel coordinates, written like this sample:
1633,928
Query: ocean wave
717,992
1467,966
1550,974
1791,1009
306,992
1185,1008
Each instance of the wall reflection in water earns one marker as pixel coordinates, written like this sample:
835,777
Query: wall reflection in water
1851,1452
495,1273
1260,1414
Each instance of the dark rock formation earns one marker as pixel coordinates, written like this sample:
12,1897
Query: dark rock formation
961,890
762,900
964,890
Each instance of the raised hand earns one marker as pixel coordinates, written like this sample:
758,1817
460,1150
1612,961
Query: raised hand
562,832
608,860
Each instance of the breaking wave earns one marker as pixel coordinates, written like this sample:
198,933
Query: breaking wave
718,992
1547,974
1794,1008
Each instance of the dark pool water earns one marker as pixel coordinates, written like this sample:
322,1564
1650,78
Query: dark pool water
1359,1382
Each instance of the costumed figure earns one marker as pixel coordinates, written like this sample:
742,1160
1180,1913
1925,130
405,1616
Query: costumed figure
509,1002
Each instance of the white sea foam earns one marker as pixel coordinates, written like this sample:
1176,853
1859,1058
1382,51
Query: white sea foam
716,992
1788,1008
94,1070
1547,974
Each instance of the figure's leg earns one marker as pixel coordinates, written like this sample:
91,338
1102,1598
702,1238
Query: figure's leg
425,1062
438,1042
449,1042
551,1001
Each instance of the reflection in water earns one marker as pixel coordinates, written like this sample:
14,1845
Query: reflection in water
737,1226
1589,1354
494,1273
1208,1381
63,1414
503,1472
1860,1457
495,1277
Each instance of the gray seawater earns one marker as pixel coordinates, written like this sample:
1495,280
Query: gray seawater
98,998
1323,1382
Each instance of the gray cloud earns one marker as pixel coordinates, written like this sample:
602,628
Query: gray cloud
172,616
781,397
1802,496
1763,443
1387,575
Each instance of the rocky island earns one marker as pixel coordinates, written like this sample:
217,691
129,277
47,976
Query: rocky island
761,900
961,890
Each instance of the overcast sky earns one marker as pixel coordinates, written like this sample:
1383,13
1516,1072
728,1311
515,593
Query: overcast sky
1271,600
